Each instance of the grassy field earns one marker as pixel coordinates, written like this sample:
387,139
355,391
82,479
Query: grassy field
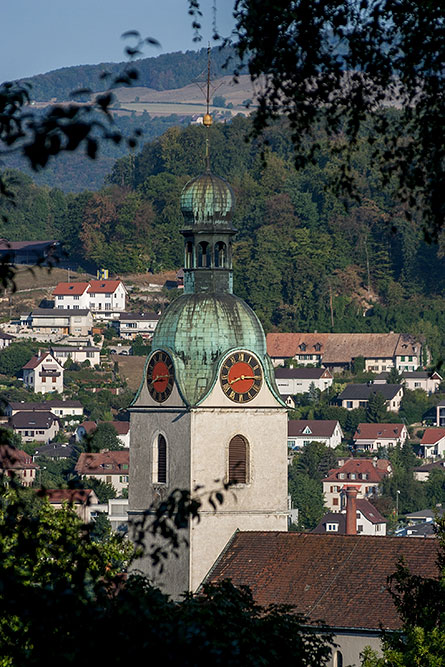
131,369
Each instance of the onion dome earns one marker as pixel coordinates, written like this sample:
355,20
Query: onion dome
207,200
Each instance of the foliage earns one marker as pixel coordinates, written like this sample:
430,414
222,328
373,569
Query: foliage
358,365
104,437
103,490
394,376
15,356
415,403
140,347
376,411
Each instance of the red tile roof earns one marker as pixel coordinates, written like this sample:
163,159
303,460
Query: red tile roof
36,361
357,466
318,427
103,286
70,289
432,435
77,496
287,344
341,579
103,463
15,459
122,428
89,426
373,431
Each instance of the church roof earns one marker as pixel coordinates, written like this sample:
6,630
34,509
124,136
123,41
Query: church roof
207,200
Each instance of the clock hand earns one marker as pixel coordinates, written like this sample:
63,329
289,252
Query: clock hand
159,377
244,377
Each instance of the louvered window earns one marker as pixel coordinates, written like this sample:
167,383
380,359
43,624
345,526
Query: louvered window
238,460
160,460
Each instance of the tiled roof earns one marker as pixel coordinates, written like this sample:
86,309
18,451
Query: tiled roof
103,463
21,245
340,579
373,431
89,426
36,360
59,312
407,345
70,289
72,348
356,466
432,435
33,420
427,467
15,459
55,451
103,286
121,427
362,392
47,405
75,496
321,427
369,511
288,344
302,373
6,336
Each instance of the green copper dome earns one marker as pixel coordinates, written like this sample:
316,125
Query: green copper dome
198,329
207,200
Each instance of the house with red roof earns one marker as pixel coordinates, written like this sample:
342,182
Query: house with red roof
109,467
357,517
104,298
81,500
17,463
432,444
364,475
369,437
43,374
72,296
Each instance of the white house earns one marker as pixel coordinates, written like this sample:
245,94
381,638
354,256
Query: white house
440,414
428,382
368,521
369,437
301,432
422,473
358,395
72,296
433,443
298,380
106,298
60,408
35,426
43,373
109,467
5,339
77,354
130,325
60,321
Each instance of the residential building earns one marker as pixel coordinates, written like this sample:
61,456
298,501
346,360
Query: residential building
72,296
51,321
35,426
425,516
109,467
17,463
342,579
433,443
107,298
370,437
422,473
81,500
440,414
61,408
5,340
55,451
428,382
122,429
363,474
116,510
130,325
301,432
43,374
77,354
299,380
358,517
380,352
357,395
28,252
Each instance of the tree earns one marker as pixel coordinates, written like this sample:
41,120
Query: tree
376,411
105,437
15,356
358,365
394,376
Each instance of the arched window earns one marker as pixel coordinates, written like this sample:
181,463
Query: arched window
220,254
188,263
204,255
160,460
238,460
338,659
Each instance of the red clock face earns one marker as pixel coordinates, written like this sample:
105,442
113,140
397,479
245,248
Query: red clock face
160,374
241,377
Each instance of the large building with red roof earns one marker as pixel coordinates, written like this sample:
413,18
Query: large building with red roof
363,474
371,437
104,298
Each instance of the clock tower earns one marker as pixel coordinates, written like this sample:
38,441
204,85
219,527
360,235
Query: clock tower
208,410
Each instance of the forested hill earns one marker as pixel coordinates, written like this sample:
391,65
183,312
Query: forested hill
169,70
303,260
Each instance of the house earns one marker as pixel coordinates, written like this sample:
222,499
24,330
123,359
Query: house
77,354
55,451
428,382
35,426
109,467
58,321
43,374
363,474
358,517
122,429
130,325
72,296
340,579
301,432
357,395
16,462
298,380
289,400
60,408
369,437
5,340
107,298
440,414
433,443
422,473
116,510
81,500
425,516
28,252
380,352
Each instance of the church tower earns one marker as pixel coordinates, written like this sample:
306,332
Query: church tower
208,408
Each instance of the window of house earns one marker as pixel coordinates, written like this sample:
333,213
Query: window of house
362,404
377,528
108,306
108,479
341,475
76,298
43,379
54,380
332,527
348,405
359,528
90,355
417,384
238,453
352,475
335,501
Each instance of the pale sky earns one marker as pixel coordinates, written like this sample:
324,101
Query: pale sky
37,36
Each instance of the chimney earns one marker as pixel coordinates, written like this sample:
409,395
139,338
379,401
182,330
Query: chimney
351,511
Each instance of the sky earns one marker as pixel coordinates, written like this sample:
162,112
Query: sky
37,36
